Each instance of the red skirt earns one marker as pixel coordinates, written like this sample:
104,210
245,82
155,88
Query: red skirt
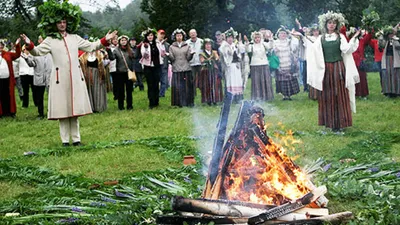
362,87
333,102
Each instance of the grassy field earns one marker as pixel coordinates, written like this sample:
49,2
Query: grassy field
120,145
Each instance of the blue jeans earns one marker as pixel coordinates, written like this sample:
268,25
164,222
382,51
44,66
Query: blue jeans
163,81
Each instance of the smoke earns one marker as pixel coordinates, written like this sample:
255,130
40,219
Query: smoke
205,120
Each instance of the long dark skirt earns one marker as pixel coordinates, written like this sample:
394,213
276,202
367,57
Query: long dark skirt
286,83
210,85
96,89
333,103
5,97
362,87
182,87
390,78
312,93
261,83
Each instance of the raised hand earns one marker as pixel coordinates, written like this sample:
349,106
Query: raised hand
245,38
26,39
110,36
357,33
18,41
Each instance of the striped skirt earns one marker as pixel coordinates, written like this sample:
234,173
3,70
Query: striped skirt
390,78
182,89
312,93
333,103
210,85
261,83
96,89
362,87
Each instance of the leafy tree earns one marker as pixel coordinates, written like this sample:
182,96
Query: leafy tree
185,14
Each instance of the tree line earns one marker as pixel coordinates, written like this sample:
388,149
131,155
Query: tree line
206,16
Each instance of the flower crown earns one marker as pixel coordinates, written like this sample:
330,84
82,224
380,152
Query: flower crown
330,15
282,28
147,32
385,31
254,34
178,31
205,41
314,27
231,32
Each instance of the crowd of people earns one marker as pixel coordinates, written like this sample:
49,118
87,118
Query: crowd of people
328,60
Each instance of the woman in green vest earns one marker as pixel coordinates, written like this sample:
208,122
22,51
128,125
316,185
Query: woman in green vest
332,71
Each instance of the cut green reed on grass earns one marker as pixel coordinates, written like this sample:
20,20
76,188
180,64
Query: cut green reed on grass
359,167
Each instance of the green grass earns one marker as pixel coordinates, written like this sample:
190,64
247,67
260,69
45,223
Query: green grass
164,134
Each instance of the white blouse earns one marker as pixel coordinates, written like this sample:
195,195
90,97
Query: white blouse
4,72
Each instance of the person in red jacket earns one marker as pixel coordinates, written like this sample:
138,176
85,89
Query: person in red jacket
8,105
378,53
359,59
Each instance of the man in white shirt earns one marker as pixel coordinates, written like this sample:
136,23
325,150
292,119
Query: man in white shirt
195,45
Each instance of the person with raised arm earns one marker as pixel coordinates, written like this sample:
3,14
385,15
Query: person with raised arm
8,105
68,96
332,70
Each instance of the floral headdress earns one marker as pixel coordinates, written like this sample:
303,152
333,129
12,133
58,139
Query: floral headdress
205,41
254,34
148,31
53,12
314,27
282,28
385,31
123,36
231,32
178,31
330,15
93,39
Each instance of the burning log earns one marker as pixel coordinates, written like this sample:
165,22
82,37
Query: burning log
219,207
220,138
288,207
166,220
338,218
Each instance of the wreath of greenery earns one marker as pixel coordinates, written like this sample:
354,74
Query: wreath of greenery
53,12
231,32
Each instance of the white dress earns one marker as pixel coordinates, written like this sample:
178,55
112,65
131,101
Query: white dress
233,73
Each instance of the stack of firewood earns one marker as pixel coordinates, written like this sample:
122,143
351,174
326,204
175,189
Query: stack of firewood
249,151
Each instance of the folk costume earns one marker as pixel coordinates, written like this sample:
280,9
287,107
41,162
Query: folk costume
312,92
209,80
286,80
378,53
92,65
359,59
68,95
261,80
231,54
390,63
332,70
182,84
7,82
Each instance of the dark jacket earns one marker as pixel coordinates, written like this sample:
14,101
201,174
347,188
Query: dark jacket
116,54
135,62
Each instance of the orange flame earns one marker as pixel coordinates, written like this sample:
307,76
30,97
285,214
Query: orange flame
264,174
